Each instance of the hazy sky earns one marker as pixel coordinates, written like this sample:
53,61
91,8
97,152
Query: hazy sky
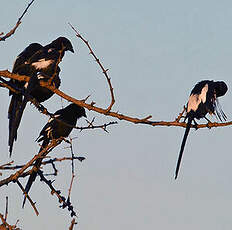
156,52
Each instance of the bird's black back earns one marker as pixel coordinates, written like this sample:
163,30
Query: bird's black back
57,127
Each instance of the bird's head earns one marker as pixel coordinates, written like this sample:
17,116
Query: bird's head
220,88
79,110
63,43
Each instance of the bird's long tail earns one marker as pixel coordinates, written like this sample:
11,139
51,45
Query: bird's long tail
183,145
35,170
18,108
14,107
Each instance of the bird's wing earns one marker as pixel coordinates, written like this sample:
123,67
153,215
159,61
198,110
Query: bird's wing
51,124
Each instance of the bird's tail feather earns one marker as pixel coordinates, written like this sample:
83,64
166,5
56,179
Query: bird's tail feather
35,170
18,108
183,145
219,112
14,106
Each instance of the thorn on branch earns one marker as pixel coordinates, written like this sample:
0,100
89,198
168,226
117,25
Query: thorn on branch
85,99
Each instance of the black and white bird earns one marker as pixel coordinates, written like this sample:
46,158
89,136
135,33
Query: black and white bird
60,126
202,100
40,64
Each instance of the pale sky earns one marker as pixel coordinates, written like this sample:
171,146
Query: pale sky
156,52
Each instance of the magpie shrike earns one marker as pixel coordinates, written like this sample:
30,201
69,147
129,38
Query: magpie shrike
60,126
40,64
202,100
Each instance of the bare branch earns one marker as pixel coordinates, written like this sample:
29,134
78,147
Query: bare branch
100,64
146,121
8,166
73,222
14,177
70,188
6,211
180,114
11,32
61,199
28,197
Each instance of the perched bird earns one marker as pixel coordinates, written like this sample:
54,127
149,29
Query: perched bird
16,99
60,126
40,64
202,100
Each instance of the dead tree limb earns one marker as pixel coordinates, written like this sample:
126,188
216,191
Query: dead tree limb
135,120
12,31
28,197
14,177
100,64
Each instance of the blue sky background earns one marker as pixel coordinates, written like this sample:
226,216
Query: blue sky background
156,52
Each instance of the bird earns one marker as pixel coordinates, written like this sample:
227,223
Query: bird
203,99
40,63
60,125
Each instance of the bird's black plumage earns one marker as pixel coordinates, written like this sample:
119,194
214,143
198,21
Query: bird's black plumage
202,100
16,99
60,126
39,63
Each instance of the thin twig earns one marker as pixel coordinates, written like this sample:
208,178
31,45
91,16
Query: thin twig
14,177
28,197
14,167
72,154
61,199
70,187
73,222
100,64
11,32
6,211
180,114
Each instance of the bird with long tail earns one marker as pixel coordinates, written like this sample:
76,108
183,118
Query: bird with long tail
40,63
202,100
60,125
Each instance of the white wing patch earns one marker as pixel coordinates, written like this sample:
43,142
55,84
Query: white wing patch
195,99
50,120
49,128
26,85
40,76
42,63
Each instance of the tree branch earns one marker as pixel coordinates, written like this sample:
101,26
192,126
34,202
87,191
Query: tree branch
28,197
100,64
73,222
14,177
11,32
135,120
9,166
